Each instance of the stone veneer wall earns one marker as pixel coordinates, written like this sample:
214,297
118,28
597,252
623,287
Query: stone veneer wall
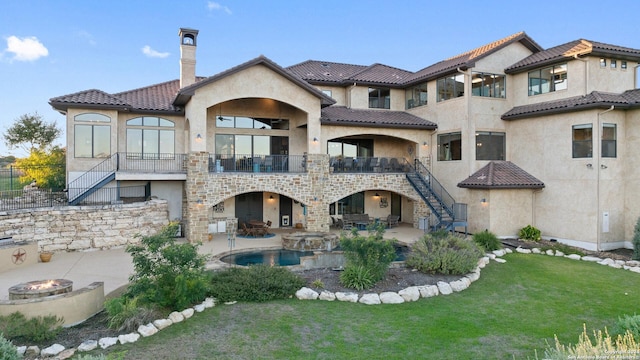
74,228
316,188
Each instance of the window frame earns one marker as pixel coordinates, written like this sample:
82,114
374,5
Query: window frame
444,83
381,96
606,143
486,155
450,146
146,127
92,142
557,80
582,148
413,101
492,90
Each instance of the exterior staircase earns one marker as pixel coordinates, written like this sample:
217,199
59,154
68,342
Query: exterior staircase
92,180
447,213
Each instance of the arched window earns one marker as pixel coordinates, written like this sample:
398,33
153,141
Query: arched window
90,139
150,137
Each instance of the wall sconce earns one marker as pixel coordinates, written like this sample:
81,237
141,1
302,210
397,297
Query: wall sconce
315,139
199,202
425,144
483,202
589,166
198,138
376,195
270,197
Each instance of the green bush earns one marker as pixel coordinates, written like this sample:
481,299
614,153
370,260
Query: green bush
529,233
371,252
36,329
357,277
629,324
256,283
437,253
488,240
7,350
168,274
126,315
636,241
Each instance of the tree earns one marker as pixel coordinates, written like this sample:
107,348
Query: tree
45,167
31,132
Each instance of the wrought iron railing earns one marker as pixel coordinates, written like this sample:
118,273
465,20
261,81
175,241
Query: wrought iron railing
439,191
221,163
42,198
369,165
152,163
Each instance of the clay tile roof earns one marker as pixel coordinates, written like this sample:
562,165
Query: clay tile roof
571,49
593,100
381,74
324,71
340,115
154,97
501,175
89,97
468,59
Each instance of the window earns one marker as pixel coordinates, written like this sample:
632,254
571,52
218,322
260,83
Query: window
242,122
379,98
488,85
609,140
350,148
603,63
490,145
150,137
251,145
92,141
327,92
623,65
582,145
450,147
548,79
352,204
614,63
450,87
416,96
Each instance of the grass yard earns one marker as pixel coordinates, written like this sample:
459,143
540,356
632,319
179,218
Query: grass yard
509,313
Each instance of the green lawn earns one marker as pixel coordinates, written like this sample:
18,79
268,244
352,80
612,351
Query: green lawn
510,312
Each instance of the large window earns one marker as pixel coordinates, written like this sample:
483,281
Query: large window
251,145
379,98
490,145
609,140
92,140
242,122
582,141
150,137
350,148
352,204
450,146
488,85
450,87
548,79
416,96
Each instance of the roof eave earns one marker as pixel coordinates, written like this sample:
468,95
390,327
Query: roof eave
599,105
376,125
500,187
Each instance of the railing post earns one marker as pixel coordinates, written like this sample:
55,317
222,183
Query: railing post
11,177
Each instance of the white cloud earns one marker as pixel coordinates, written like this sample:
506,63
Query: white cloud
87,36
147,50
214,6
26,49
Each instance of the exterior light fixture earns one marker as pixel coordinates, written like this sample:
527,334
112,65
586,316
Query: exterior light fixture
425,144
270,197
483,201
315,139
376,195
199,202
198,138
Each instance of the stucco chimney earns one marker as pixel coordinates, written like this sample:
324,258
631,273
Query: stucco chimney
188,39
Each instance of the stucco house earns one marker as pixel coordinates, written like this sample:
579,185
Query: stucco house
499,137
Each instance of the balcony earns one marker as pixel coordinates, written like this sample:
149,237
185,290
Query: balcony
369,165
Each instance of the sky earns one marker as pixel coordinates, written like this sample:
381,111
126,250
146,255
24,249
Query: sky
54,48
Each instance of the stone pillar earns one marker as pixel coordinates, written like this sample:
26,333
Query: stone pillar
317,208
197,218
420,209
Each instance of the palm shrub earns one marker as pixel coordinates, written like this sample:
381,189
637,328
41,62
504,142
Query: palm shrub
636,241
367,257
444,253
256,283
488,240
167,274
529,233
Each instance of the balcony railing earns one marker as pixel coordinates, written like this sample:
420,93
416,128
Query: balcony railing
219,163
369,165
152,163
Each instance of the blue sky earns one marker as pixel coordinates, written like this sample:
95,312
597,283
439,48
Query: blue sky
53,48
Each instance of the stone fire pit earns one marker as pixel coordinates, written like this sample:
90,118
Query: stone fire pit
310,241
40,288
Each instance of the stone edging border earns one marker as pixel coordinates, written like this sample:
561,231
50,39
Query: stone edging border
412,293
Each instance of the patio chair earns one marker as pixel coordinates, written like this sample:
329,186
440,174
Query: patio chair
384,164
248,231
373,164
394,165
392,220
268,163
348,164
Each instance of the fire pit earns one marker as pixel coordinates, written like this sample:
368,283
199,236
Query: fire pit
40,288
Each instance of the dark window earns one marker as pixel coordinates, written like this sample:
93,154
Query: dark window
450,87
350,148
243,122
92,141
352,204
450,146
548,79
609,140
379,98
490,145
150,137
582,141
416,96
488,85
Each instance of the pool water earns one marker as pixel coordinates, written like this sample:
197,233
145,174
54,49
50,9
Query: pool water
271,257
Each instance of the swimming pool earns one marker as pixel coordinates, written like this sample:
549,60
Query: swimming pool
280,257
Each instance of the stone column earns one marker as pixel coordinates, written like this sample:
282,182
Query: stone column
420,209
197,218
317,208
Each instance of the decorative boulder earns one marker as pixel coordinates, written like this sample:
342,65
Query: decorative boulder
32,351
162,323
147,330
573,257
523,251
128,338
209,303
52,350
176,317
370,299
88,345
327,296
459,285
591,259
105,342
306,294
427,291
348,297
500,260
390,297
199,308
444,288
187,313
559,253
411,293
549,252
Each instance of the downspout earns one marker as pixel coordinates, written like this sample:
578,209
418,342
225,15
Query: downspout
586,72
470,129
349,90
598,167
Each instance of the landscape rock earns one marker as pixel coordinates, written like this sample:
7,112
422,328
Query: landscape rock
176,317
390,297
500,260
348,297
573,257
411,293
549,252
635,269
327,296
473,276
32,351
128,338
536,251
162,323
620,262
615,266
88,345
52,350
444,288
459,285
508,251
499,252
559,253
370,299
21,350
633,263
147,330
209,303
491,256
105,342
591,259
199,308
66,354
606,262
187,313
306,294
427,291
523,251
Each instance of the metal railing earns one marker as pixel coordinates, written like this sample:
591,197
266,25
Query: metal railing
435,187
15,177
369,165
220,163
152,163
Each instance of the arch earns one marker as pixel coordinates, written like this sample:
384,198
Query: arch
337,195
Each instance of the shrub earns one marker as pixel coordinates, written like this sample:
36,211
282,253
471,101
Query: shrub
126,315
357,277
636,241
529,233
36,329
629,324
488,240
317,283
437,253
7,350
371,252
168,274
257,283
603,346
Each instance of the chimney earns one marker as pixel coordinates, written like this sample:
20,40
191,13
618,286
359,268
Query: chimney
188,39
